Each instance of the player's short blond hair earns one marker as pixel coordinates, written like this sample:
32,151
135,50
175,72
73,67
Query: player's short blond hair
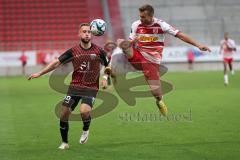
147,8
83,24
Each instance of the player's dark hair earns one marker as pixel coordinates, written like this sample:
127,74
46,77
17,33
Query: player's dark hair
83,24
147,8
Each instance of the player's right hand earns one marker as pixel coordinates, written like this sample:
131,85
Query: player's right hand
34,75
108,70
204,48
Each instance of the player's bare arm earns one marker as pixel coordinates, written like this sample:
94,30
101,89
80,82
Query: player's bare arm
107,69
191,41
50,67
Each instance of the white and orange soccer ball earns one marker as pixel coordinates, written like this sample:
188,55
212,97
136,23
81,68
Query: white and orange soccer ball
98,27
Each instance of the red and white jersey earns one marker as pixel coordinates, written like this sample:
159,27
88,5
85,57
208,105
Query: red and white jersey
228,47
150,38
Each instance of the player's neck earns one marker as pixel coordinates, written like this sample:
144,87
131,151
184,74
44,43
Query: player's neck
149,23
85,45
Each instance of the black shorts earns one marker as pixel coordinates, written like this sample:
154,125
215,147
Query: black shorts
72,98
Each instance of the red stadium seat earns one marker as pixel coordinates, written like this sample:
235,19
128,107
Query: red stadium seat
41,23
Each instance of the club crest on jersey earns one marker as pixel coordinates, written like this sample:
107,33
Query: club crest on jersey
142,31
155,30
93,56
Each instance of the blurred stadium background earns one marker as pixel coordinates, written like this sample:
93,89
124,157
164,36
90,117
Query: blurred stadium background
41,28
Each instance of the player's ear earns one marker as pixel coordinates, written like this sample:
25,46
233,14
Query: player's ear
79,32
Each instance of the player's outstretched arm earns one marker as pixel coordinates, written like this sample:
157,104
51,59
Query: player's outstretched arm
51,66
191,41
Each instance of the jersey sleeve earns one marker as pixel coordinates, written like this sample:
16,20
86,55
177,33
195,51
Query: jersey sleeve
133,31
167,28
103,58
66,57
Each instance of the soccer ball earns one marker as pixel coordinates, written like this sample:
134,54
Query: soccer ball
98,27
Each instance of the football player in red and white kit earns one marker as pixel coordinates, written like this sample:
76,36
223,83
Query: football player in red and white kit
144,50
227,48
85,58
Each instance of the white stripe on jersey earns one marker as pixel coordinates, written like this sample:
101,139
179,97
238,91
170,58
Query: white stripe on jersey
151,58
152,47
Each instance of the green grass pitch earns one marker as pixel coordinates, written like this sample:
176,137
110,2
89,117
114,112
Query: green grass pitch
29,129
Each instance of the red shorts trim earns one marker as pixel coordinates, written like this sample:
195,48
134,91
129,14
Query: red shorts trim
149,69
228,60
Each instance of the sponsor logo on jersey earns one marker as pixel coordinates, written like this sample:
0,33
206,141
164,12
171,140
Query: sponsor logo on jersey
155,30
148,39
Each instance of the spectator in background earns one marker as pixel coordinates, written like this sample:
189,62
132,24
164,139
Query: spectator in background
190,58
23,59
109,47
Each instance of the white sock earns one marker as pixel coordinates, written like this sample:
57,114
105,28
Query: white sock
232,72
226,78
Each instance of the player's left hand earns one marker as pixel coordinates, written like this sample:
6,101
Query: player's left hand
108,70
204,48
34,75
